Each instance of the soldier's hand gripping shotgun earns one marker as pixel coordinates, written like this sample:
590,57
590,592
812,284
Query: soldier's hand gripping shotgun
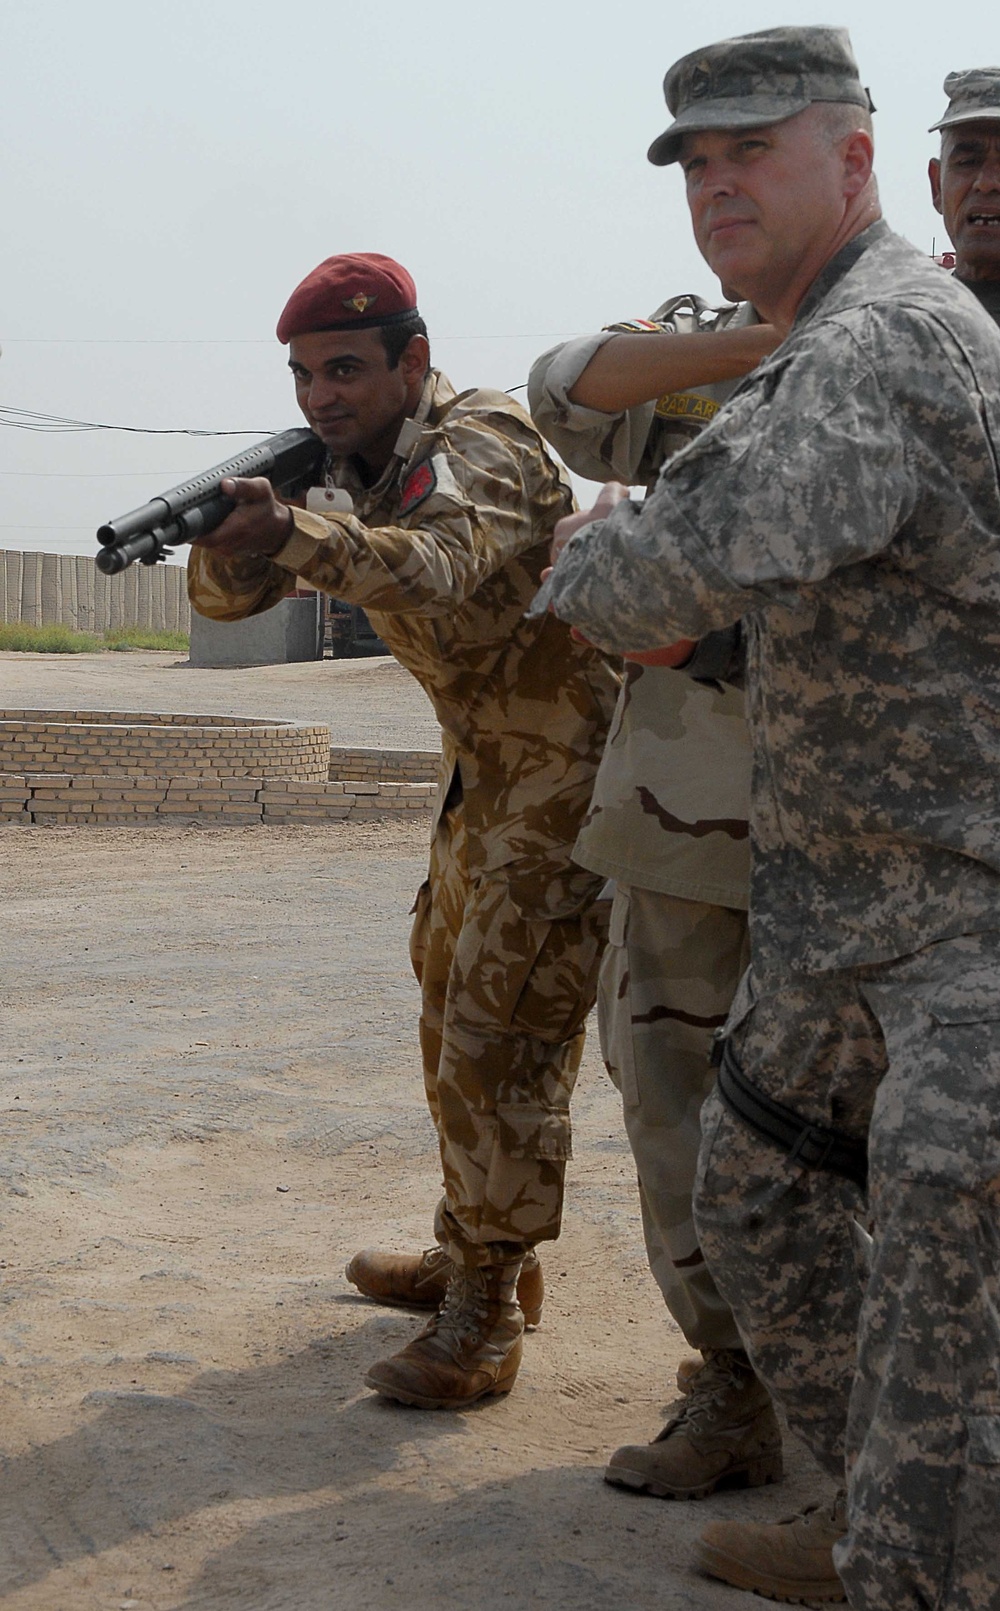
198,506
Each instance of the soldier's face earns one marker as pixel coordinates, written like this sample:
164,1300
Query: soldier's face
965,187
764,202
351,398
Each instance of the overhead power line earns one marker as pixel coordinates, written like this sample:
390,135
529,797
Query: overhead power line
26,419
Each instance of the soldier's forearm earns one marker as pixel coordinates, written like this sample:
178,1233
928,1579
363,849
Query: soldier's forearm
633,369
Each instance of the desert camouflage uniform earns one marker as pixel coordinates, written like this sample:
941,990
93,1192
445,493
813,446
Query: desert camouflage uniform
444,553
668,824
845,504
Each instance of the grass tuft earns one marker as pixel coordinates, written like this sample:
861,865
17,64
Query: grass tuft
63,640
144,638
47,639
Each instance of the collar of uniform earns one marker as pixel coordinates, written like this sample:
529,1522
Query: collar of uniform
838,266
438,392
411,429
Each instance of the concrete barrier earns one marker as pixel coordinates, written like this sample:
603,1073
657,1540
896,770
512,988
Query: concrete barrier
292,630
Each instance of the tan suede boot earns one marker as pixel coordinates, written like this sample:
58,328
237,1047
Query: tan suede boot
790,1560
470,1350
723,1433
420,1280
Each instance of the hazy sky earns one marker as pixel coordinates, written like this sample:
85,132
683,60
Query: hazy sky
174,167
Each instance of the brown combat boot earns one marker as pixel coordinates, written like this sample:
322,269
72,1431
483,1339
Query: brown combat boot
420,1280
723,1433
790,1560
470,1349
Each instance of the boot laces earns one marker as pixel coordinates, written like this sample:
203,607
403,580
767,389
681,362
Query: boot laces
434,1259
711,1390
466,1304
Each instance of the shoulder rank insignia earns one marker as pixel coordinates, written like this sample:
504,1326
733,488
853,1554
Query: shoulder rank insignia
419,484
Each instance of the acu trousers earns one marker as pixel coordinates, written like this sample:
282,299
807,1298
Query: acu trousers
886,1362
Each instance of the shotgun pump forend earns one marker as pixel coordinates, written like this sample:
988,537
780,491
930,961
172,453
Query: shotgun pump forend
199,505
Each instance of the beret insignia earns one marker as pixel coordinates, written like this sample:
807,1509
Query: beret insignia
360,302
419,484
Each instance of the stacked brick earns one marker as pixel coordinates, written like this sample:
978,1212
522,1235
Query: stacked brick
384,766
54,798
108,768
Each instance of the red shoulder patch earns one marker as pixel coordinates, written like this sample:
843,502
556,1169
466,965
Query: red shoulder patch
419,484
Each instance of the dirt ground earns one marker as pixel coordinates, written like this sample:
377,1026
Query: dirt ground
365,702
213,1098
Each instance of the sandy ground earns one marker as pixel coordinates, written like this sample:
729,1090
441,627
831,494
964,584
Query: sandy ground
213,1098
365,702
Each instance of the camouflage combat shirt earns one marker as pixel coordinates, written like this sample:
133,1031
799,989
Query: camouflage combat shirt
845,503
444,553
672,793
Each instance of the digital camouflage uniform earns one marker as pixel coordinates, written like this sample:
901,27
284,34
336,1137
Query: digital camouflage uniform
668,824
444,553
846,505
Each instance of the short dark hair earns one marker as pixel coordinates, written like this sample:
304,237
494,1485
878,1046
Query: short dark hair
397,337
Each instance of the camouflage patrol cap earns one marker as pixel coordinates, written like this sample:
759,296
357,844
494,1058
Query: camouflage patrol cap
755,79
973,95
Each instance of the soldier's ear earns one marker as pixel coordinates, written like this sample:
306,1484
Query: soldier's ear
934,175
415,359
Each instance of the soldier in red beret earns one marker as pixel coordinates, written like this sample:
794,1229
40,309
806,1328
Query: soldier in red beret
437,515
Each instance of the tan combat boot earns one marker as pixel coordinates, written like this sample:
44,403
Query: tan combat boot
722,1434
790,1560
470,1350
420,1280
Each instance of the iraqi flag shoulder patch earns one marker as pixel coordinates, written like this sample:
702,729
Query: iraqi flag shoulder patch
419,484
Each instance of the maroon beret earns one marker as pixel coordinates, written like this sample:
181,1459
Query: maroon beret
355,291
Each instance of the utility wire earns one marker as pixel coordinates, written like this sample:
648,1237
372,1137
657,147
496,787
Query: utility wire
26,419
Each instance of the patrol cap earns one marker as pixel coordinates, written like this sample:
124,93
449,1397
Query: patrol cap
755,79
355,291
972,96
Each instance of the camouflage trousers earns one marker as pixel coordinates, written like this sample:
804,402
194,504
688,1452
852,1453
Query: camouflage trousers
667,981
890,1359
507,969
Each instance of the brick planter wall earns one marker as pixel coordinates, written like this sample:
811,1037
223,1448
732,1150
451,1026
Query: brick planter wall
143,744
124,767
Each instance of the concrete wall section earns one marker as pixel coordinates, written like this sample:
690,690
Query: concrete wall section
291,631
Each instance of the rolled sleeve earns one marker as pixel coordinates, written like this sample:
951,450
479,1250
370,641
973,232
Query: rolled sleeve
803,472
602,447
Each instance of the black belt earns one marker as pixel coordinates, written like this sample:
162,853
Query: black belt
814,1145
